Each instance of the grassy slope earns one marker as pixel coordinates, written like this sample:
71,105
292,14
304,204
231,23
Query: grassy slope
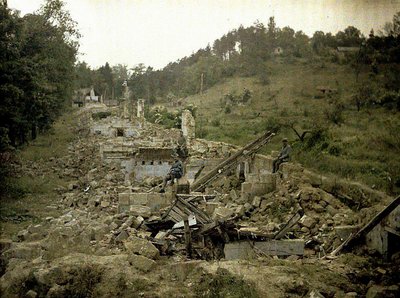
31,192
368,141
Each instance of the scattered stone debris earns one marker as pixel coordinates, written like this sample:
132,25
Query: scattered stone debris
228,206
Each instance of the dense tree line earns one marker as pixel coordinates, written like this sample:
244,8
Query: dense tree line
243,51
37,58
381,53
246,52
105,80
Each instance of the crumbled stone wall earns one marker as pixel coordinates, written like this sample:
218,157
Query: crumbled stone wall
143,203
188,126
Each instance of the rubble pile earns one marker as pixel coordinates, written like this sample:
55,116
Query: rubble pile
112,223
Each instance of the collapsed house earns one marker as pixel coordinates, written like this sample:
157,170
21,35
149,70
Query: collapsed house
228,205
208,210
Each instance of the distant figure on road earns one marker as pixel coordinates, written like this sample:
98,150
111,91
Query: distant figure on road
176,171
284,156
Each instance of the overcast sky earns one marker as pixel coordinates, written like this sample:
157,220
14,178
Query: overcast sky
158,32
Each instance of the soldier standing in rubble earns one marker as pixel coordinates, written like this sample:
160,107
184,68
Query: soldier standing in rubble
284,156
176,171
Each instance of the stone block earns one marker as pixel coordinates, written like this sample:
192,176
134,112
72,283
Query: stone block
124,198
156,201
138,222
262,164
268,178
265,204
137,210
222,213
240,210
246,187
138,199
105,204
331,210
142,247
233,194
308,222
252,177
160,235
31,294
183,186
123,208
256,202
318,208
262,188
245,250
211,206
141,262
121,236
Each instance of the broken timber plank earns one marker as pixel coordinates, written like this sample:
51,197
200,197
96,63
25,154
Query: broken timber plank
289,225
188,238
372,223
202,216
232,161
245,249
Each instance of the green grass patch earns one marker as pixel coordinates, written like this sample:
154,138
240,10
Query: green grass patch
360,145
54,142
224,284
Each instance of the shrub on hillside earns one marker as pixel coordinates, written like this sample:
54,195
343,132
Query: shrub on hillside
334,113
216,122
100,115
272,124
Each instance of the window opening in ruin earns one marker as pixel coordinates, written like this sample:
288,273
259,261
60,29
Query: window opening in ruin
160,162
120,132
152,163
143,162
241,174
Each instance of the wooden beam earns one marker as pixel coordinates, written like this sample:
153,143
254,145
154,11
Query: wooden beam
188,238
360,235
289,225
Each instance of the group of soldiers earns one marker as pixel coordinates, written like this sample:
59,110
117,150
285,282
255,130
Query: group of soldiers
181,153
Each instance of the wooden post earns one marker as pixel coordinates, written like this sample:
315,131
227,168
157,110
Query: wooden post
188,240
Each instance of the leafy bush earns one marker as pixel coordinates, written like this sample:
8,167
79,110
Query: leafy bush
216,122
334,113
390,99
161,115
272,124
318,137
100,115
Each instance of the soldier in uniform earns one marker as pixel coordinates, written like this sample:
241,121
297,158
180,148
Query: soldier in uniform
284,156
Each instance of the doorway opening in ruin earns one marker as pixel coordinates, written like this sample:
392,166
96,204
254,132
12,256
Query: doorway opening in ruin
241,172
120,132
